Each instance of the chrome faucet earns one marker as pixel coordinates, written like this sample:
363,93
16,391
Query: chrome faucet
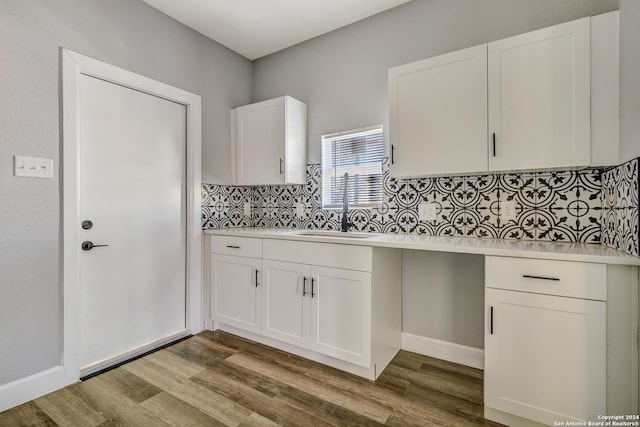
345,225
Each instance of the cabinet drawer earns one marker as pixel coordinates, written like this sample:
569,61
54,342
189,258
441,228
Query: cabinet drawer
240,246
562,278
322,254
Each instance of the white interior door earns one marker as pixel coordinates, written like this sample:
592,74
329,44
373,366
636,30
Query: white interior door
132,188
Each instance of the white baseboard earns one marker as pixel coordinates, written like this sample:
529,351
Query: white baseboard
456,353
31,387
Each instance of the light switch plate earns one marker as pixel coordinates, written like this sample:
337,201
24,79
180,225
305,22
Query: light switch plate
508,210
32,167
247,209
427,212
300,209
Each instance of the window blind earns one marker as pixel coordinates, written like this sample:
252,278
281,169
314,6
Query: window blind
360,154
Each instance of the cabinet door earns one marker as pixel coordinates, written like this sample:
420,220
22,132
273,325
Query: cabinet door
545,356
341,314
539,106
285,302
236,292
260,139
438,114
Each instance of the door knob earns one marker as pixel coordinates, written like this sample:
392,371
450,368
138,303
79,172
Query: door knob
87,245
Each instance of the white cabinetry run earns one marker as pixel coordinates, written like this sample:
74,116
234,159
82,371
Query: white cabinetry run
544,99
336,304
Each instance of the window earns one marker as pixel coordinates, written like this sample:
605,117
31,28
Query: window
358,153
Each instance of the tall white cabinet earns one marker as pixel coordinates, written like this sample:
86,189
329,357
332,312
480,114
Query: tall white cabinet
270,142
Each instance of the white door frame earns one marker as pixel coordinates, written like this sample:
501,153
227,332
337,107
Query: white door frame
73,66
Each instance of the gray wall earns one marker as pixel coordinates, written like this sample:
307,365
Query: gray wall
629,79
443,296
126,33
342,76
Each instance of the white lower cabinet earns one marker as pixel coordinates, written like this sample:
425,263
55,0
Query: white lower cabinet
341,314
327,310
545,356
316,300
560,341
560,336
286,301
236,294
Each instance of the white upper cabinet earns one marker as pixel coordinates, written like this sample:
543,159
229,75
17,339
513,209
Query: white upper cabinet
605,68
539,98
438,114
270,142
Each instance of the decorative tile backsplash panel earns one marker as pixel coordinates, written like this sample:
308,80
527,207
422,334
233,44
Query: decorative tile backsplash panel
569,206
223,206
620,189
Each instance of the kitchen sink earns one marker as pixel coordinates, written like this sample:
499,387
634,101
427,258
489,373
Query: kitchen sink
329,233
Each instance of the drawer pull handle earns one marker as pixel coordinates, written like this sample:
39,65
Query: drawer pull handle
312,283
528,276
233,247
494,144
304,286
491,320
257,271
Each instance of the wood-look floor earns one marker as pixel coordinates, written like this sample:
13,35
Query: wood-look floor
216,379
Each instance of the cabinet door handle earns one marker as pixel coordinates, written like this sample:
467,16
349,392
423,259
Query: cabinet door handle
257,271
304,286
281,166
312,283
493,136
393,149
529,276
233,247
491,320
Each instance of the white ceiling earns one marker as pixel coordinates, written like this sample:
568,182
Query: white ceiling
256,28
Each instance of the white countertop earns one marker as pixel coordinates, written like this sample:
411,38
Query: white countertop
582,252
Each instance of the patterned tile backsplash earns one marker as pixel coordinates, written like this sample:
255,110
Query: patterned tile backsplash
590,205
620,190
